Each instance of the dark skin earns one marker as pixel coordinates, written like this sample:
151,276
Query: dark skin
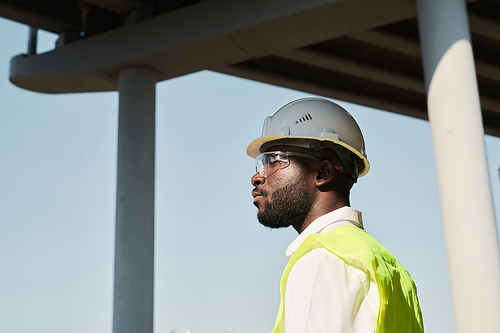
329,187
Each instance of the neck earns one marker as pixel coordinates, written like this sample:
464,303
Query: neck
323,205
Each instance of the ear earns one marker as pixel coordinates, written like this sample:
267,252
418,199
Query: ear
325,173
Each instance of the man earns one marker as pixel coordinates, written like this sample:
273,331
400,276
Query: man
338,278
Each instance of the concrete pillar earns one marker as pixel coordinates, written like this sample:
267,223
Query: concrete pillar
134,247
464,187
32,40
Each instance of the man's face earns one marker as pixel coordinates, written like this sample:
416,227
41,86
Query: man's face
284,197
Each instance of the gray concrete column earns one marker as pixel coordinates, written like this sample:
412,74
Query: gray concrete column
32,40
464,187
134,247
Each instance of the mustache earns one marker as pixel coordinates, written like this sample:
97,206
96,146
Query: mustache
260,192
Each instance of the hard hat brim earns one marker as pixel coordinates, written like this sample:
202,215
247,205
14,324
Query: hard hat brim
254,148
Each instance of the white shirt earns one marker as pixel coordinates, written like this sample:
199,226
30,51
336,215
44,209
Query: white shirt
323,293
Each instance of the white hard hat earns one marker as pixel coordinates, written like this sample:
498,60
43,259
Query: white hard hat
315,123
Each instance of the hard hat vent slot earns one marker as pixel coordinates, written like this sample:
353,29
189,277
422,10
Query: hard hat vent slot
305,117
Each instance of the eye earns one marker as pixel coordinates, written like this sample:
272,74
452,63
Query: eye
270,160
273,160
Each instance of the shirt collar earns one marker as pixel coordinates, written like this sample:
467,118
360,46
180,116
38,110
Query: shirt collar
346,214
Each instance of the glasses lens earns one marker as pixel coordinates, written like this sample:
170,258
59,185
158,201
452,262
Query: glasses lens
266,163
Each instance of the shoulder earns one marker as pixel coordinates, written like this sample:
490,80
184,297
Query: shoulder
353,244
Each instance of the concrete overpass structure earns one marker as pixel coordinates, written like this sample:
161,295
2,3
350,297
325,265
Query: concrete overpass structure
368,52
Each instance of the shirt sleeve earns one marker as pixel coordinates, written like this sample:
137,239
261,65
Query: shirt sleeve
324,294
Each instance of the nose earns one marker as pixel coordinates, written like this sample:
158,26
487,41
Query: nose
258,179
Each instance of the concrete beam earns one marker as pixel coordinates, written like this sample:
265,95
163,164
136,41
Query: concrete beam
32,18
321,90
210,34
409,47
355,69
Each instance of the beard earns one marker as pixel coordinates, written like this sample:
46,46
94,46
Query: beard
285,206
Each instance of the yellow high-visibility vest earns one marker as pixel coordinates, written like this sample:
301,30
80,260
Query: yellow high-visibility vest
399,310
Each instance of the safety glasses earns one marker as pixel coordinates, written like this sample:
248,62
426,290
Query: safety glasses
268,163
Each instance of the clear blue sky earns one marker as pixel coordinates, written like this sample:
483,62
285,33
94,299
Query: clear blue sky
216,267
